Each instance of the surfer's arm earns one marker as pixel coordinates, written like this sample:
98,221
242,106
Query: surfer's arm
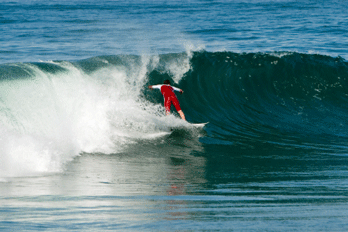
177,89
155,86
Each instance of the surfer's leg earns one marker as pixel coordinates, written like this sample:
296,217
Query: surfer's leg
167,105
178,108
182,115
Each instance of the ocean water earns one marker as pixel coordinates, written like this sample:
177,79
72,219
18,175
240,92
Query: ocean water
86,146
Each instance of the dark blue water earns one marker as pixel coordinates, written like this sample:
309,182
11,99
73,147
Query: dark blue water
70,30
85,145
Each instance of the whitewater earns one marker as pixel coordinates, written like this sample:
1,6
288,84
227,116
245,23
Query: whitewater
54,111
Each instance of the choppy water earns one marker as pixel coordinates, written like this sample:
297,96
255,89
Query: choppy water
85,144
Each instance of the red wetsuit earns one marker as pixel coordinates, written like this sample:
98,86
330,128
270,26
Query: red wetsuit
169,96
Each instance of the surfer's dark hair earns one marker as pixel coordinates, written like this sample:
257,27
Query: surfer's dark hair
167,82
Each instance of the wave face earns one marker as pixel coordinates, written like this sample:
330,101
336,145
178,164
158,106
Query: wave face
51,112
288,99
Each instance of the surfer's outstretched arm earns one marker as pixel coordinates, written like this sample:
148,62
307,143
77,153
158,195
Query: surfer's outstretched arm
177,89
155,86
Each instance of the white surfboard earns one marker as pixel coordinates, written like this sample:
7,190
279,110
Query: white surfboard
199,124
189,126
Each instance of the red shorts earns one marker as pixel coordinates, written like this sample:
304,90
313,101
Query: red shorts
168,102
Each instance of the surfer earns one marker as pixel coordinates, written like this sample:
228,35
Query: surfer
169,97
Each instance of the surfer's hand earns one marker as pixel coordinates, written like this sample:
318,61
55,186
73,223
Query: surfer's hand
181,92
150,86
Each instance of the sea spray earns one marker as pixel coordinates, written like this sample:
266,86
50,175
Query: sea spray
52,111
25,154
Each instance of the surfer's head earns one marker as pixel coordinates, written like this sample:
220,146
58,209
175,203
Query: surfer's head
166,82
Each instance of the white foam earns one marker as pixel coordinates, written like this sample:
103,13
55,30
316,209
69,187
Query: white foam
23,155
47,120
